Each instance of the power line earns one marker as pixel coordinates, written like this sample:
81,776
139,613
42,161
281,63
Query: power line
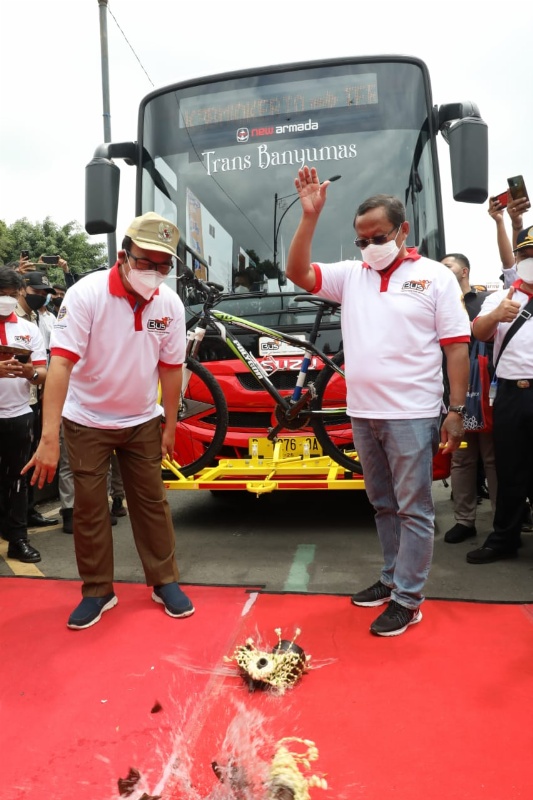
130,46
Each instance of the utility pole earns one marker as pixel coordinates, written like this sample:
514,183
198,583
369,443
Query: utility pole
111,237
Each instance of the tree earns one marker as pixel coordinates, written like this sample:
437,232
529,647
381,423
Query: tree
48,238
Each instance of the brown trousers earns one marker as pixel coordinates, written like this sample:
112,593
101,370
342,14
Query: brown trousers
139,455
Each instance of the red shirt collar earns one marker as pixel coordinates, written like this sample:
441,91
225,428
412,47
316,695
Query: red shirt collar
518,284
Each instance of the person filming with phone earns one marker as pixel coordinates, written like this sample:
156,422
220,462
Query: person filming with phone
516,201
505,316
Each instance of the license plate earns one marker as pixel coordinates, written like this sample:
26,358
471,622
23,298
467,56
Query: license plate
290,446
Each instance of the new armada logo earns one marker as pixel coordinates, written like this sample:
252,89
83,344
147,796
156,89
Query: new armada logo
245,134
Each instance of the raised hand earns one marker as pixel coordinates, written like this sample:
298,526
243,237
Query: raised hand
312,192
516,209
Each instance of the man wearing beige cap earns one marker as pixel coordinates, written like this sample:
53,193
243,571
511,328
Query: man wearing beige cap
118,334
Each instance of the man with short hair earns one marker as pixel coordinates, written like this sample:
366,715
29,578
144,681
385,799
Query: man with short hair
22,367
513,406
119,332
479,444
398,310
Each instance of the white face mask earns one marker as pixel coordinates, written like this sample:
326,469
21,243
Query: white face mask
380,256
7,305
525,269
241,290
145,281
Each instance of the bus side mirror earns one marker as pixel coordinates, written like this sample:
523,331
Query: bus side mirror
469,158
102,182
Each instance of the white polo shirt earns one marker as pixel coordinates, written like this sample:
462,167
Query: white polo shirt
394,324
517,358
117,349
15,392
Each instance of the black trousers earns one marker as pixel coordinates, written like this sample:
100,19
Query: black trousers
16,443
36,409
513,448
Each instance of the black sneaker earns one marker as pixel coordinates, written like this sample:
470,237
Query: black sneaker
459,533
176,602
395,620
375,595
89,611
117,507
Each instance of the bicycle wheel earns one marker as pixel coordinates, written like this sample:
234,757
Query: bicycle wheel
331,424
202,420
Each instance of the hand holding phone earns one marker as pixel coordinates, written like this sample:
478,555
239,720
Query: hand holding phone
500,200
24,255
517,188
50,259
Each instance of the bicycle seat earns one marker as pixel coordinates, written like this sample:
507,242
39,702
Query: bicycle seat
317,301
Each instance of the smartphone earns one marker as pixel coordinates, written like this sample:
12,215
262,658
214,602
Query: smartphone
517,187
50,259
24,255
501,199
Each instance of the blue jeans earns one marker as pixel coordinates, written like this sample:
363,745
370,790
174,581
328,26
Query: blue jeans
397,460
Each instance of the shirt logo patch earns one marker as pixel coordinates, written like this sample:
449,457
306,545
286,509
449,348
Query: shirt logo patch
416,286
23,340
159,324
62,312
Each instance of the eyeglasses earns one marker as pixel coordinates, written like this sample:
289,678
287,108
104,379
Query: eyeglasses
145,263
380,239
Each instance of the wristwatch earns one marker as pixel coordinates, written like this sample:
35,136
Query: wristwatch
458,409
34,376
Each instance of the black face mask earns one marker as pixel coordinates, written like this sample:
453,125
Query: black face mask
35,301
56,302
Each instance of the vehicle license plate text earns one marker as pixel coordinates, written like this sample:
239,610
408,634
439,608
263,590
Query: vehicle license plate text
290,446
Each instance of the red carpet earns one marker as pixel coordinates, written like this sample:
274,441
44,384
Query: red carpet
441,712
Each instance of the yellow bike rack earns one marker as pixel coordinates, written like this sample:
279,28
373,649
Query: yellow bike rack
261,475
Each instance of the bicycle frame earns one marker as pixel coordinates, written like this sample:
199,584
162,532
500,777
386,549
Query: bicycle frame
292,404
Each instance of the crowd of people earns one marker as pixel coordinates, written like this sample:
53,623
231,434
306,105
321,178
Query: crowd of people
101,422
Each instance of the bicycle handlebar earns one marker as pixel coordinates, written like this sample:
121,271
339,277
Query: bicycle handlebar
209,288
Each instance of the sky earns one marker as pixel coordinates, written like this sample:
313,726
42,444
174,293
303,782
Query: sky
51,84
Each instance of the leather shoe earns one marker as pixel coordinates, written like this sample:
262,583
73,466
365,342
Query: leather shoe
36,520
23,551
459,533
486,555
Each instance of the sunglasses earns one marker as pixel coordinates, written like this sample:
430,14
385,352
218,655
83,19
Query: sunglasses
380,239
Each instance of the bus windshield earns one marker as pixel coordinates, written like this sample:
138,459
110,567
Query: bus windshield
220,156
